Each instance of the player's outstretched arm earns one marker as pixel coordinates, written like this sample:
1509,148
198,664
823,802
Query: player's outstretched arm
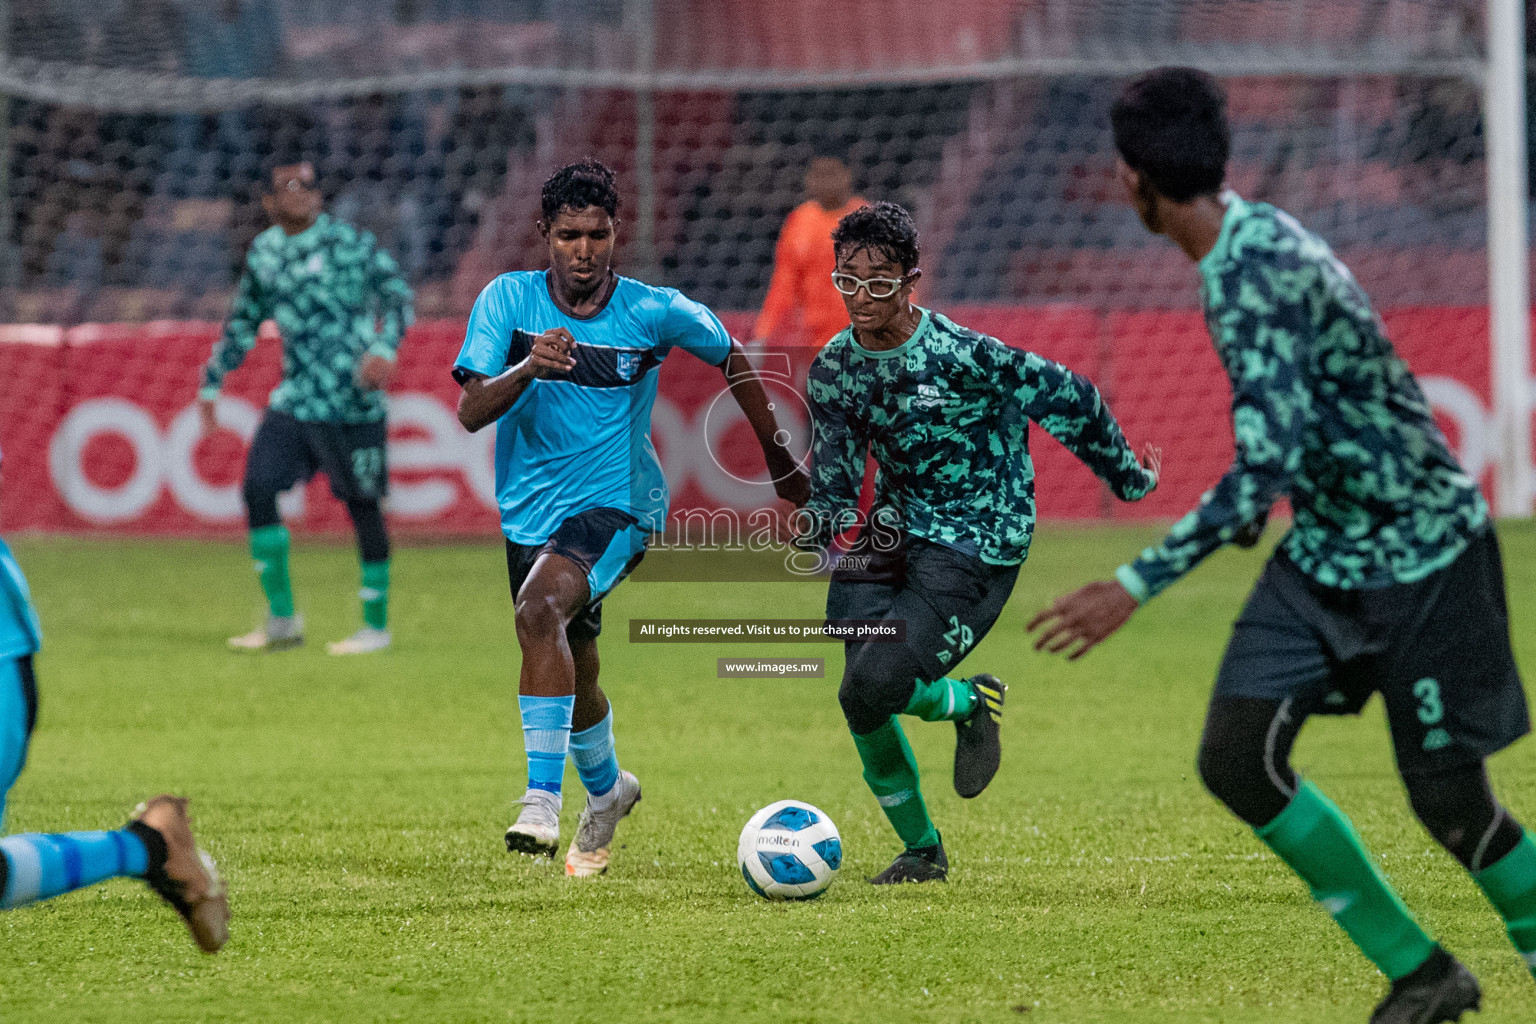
1078,622
1270,402
484,400
1266,339
1069,408
790,482
250,308
692,327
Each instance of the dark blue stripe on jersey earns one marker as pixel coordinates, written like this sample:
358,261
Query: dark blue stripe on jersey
597,366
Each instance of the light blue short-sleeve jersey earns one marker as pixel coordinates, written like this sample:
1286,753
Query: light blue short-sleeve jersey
572,444
19,632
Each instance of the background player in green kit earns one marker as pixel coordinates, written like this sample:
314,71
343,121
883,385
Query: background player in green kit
944,411
1389,579
341,307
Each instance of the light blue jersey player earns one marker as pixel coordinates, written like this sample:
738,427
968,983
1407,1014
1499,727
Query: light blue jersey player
566,363
156,845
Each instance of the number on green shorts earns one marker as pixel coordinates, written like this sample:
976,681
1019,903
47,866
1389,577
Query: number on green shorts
959,638
1430,708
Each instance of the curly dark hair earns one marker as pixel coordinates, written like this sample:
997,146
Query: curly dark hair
884,229
577,186
1171,125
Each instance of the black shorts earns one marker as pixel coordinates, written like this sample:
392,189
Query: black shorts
1436,650
605,542
28,690
949,599
287,451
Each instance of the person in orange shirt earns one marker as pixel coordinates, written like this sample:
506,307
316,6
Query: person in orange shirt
803,260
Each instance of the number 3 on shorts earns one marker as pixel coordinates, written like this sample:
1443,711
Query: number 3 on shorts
367,468
1430,708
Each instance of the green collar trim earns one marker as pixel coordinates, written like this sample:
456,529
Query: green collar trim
1237,209
914,341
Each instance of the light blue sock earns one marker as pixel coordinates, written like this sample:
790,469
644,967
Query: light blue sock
592,750
546,735
39,867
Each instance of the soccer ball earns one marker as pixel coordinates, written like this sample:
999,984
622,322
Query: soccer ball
789,851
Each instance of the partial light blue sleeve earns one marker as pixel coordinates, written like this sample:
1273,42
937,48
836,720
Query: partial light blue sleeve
690,326
489,335
20,634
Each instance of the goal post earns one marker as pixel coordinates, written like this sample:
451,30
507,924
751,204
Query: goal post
1504,114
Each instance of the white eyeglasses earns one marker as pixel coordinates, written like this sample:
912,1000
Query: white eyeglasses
878,287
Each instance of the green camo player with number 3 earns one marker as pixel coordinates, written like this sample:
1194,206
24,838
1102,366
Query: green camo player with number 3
1389,579
341,306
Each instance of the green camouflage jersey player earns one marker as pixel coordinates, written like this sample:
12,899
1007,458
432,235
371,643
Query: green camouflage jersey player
341,307
1388,581
944,412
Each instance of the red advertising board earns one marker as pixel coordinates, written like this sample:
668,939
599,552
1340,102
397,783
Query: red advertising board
99,427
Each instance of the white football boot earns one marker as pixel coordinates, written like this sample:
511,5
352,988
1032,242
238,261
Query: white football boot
279,634
588,854
365,641
537,829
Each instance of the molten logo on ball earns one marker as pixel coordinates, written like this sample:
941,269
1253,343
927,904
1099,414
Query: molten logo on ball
789,851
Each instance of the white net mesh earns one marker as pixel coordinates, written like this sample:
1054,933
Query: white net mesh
140,129
138,133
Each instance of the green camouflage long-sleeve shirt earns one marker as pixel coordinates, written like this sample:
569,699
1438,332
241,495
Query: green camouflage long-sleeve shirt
946,416
1323,413
336,297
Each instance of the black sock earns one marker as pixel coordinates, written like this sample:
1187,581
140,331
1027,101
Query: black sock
154,845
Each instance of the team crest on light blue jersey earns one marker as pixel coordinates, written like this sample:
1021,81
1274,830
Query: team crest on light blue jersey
583,442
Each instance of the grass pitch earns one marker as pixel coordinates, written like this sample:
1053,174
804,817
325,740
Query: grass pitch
357,807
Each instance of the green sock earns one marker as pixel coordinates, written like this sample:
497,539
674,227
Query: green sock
891,771
1510,884
269,546
375,593
1319,843
943,700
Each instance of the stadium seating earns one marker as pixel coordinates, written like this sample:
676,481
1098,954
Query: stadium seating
1012,180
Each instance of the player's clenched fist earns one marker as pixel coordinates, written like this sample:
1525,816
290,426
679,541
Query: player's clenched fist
554,353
